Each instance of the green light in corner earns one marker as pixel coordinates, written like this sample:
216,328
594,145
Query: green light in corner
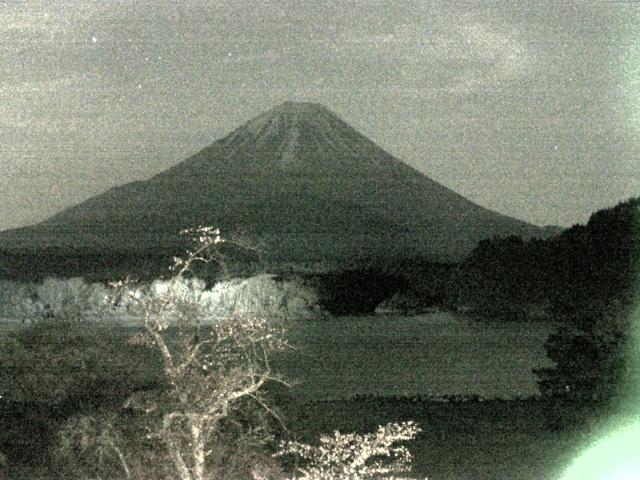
616,457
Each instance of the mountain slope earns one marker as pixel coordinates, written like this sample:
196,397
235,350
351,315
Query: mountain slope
297,179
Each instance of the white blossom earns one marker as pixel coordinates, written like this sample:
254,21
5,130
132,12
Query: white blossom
353,456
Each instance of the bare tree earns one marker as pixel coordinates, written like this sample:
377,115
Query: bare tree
211,365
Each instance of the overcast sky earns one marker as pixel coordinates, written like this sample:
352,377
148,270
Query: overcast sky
530,109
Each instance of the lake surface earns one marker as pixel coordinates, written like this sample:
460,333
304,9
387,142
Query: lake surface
433,354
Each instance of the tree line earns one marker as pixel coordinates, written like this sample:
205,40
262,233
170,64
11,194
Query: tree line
587,276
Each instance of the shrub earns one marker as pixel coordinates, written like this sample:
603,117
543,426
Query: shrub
60,367
72,298
262,295
354,457
91,445
590,352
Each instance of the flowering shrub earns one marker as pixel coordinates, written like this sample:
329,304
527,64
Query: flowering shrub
354,457
53,297
13,295
261,295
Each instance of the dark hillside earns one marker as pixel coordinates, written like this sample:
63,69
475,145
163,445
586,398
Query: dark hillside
587,276
595,261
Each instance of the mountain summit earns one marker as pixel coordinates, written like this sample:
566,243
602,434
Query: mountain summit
297,138
298,180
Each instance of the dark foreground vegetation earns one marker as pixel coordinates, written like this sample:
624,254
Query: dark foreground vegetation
496,439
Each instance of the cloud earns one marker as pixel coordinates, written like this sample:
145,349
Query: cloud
501,56
457,56
39,21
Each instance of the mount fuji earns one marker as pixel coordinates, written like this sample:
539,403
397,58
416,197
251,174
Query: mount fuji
297,180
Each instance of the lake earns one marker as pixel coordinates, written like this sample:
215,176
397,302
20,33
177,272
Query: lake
433,354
